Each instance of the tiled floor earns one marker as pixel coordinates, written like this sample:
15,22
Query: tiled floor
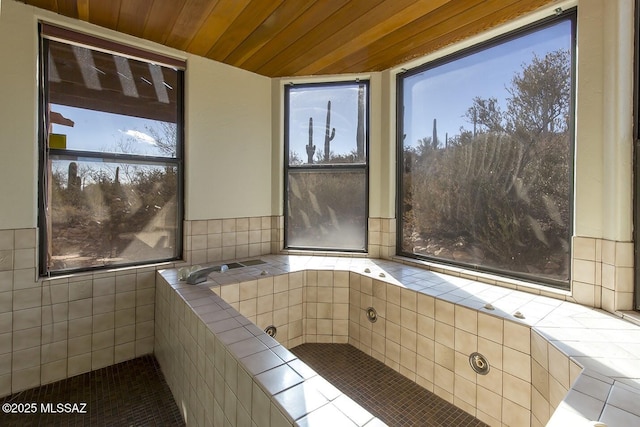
393,398
132,393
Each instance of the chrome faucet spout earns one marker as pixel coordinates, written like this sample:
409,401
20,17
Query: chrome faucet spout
201,274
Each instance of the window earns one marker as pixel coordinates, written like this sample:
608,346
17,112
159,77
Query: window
111,154
486,155
326,144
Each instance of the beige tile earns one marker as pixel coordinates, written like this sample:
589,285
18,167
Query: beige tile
559,366
27,338
465,342
81,326
54,371
444,356
27,358
25,278
125,300
79,364
80,308
6,239
514,414
490,327
6,281
6,260
123,352
466,319
53,352
488,401
517,390
80,290
608,252
517,336
444,379
557,392
492,351
584,271
27,298
465,390
101,358
24,258
6,340
516,363
624,254
445,334
27,318
103,322
540,379
103,304
583,293
25,379
79,345
25,238
445,312
584,248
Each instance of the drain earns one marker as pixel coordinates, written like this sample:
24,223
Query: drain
372,315
271,330
479,363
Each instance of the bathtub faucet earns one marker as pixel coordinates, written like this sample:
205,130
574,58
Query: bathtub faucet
201,274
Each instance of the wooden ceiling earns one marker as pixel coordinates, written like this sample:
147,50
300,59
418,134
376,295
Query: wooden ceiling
279,38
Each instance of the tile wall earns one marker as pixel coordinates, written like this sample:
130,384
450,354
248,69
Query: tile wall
429,341
602,273
209,241
209,383
552,374
57,328
426,339
272,300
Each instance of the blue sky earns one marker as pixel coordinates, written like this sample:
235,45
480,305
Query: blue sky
446,91
100,131
311,101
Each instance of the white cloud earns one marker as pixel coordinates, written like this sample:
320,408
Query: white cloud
140,136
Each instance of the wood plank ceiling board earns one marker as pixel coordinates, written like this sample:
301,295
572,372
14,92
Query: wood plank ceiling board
280,19
285,62
318,12
190,18
245,24
373,27
444,26
68,8
129,17
218,21
160,20
279,38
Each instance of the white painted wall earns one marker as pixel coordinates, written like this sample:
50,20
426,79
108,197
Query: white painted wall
18,116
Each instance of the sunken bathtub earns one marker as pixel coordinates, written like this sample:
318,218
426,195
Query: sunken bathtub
491,351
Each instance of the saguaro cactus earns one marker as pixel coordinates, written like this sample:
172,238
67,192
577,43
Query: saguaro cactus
311,149
328,137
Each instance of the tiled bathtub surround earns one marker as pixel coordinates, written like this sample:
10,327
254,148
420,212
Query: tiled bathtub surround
57,328
223,370
429,323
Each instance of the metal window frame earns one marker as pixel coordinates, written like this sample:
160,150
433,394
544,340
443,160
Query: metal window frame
44,152
334,167
566,15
